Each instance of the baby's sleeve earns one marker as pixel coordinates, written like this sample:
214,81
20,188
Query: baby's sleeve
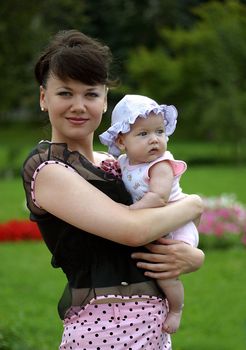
178,166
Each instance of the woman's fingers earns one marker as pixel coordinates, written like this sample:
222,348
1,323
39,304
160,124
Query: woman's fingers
150,257
153,267
161,262
159,270
169,259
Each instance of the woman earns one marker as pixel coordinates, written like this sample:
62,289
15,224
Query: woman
90,235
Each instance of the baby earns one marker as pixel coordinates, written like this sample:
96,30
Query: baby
140,128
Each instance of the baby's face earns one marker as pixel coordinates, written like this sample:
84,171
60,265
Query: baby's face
146,141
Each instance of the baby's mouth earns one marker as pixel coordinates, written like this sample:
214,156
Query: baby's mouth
153,150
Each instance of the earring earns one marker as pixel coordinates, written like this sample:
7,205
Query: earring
42,109
104,109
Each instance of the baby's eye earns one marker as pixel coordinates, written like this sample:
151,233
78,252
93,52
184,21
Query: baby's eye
160,131
142,133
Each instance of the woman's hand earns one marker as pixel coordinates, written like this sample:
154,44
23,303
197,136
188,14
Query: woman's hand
169,258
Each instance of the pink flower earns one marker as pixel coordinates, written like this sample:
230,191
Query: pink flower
223,216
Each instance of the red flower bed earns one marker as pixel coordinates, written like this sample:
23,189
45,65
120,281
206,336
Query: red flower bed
16,230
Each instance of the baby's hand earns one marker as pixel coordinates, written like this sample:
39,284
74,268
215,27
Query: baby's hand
149,200
111,166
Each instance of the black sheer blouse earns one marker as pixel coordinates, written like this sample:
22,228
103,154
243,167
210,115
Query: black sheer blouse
93,265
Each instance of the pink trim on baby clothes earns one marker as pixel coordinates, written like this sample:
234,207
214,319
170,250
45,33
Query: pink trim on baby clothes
178,166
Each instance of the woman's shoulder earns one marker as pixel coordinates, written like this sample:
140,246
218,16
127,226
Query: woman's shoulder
38,155
47,152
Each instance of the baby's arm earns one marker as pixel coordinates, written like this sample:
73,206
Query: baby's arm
160,184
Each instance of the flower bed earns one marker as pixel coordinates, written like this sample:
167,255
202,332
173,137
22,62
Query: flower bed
16,230
223,223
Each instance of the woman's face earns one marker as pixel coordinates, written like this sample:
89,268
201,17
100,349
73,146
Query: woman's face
75,109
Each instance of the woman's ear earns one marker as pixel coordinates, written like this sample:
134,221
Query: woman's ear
105,105
42,98
120,142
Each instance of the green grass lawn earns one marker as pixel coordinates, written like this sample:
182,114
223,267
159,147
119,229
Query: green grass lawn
13,200
214,315
29,292
215,180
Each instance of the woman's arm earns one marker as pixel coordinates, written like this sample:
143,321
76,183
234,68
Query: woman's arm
71,198
169,259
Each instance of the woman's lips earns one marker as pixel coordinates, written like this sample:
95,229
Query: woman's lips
77,121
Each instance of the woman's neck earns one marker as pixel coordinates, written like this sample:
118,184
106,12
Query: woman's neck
85,148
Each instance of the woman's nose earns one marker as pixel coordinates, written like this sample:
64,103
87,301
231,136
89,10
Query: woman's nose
78,104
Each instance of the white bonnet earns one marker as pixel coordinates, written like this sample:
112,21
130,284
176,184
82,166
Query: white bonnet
127,110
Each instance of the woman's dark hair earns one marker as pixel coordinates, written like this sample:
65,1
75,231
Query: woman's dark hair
74,55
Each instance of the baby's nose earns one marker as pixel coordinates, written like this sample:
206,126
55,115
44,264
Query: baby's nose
154,138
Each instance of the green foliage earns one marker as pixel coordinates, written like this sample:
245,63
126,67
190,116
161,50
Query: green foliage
202,71
123,24
157,76
193,59
213,56
16,141
25,27
13,197
24,30
16,26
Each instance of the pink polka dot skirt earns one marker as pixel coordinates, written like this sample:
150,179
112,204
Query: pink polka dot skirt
128,325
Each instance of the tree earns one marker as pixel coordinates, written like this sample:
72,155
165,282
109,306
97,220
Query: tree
201,70
15,55
25,27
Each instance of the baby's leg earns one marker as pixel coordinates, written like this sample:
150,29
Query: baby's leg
174,291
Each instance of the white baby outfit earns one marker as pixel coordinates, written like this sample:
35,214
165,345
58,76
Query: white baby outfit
136,179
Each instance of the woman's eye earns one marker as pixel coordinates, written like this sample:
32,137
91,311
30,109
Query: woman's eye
64,93
92,94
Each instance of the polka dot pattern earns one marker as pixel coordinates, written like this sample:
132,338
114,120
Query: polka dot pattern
133,325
